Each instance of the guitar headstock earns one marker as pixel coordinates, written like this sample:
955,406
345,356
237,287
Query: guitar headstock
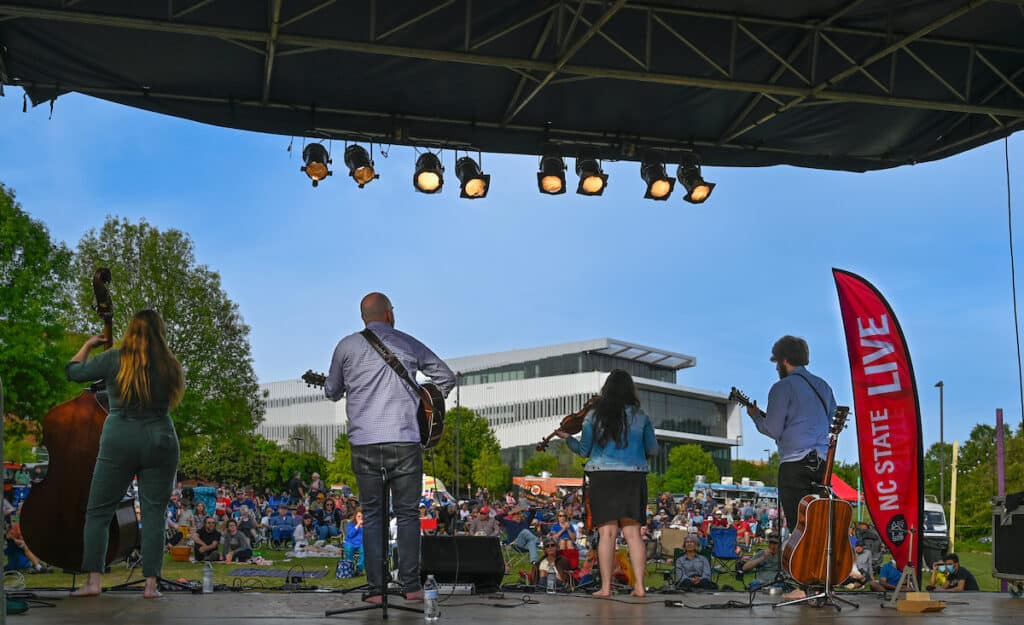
312,378
839,420
739,397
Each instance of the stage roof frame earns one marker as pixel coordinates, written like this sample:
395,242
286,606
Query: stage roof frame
834,84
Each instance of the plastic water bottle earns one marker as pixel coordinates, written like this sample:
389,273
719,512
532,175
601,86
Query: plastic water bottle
431,610
552,575
208,578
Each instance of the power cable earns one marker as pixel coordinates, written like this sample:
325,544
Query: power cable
1013,276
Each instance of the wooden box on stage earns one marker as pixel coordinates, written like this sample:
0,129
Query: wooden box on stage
181,553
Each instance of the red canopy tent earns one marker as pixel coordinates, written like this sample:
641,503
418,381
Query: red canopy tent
843,490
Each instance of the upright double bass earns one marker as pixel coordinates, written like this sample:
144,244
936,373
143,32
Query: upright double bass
53,515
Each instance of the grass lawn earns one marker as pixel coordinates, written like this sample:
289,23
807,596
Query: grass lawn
979,563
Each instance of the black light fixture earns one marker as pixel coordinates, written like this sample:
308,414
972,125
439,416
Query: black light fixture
473,181
316,159
360,165
429,175
659,183
697,189
551,177
593,181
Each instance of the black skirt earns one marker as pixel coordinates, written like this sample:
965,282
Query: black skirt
615,495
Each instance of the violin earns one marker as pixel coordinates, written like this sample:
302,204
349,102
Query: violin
571,423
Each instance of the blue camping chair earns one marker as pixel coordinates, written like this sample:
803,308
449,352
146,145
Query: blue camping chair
723,553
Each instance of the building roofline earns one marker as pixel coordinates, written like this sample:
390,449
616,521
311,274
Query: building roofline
607,346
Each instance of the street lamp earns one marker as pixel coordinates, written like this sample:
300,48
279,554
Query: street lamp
942,448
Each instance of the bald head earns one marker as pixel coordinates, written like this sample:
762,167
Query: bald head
376,307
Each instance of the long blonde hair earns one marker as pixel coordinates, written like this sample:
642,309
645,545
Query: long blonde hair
145,346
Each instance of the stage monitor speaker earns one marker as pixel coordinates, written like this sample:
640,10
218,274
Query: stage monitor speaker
1008,537
463,559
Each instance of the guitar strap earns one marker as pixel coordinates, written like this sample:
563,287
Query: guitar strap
823,405
390,358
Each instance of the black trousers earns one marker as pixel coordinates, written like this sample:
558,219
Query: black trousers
797,479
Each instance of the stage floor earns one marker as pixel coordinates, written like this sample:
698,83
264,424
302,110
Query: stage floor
237,608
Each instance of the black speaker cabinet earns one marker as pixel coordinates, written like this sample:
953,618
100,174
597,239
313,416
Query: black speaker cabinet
1008,537
463,559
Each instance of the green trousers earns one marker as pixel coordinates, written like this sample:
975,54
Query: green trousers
147,448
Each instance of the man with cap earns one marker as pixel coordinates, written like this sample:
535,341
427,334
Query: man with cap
483,524
517,524
766,563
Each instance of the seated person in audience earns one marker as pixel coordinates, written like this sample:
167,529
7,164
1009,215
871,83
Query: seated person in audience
329,520
18,552
693,571
551,563
247,524
517,530
861,573
766,563
235,546
563,532
483,524
186,518
447,518
888,577
354,540
199,516
206,541
305,532
958,578
282,525
743,534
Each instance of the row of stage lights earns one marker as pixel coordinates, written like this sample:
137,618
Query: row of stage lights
429,174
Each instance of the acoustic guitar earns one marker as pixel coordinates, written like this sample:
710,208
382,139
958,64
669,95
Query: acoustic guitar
429,415
805,554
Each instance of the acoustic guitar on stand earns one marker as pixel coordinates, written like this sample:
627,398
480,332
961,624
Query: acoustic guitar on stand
429,415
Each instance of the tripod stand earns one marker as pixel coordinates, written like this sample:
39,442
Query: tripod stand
162,583
385,568
827,595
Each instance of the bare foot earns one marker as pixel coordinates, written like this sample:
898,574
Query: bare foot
794,594
152,594
601,593
87,590
638,593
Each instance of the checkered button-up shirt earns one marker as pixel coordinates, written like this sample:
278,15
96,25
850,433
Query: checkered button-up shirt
381,407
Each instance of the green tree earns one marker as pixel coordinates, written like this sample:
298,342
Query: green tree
938,455
684,463
849,472
655,484
339,471
475,436
490,472
303,439
753,470
539,462
34,300
243,459
157,269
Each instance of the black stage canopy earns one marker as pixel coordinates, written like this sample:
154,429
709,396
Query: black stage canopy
833,84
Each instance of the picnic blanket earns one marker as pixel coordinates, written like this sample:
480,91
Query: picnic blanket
254,572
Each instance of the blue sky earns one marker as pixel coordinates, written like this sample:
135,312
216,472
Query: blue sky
720,281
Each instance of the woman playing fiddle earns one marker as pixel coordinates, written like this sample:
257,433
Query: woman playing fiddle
144,382
617,438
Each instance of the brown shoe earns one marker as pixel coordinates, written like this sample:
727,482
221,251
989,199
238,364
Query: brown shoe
416,595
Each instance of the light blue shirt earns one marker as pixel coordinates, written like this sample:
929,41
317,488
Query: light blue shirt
795,417
381,407
698,566
640,443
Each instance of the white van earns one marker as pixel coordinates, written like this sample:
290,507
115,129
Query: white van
935,537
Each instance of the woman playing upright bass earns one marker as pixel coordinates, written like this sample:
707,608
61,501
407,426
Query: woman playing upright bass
144,382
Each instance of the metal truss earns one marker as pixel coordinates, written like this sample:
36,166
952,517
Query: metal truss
570,26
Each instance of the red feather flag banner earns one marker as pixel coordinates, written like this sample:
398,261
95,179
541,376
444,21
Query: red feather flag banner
887,414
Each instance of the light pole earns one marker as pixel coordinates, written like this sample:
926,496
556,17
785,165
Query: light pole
942,447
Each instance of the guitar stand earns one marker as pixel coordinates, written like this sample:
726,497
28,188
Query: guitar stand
385,567
827,595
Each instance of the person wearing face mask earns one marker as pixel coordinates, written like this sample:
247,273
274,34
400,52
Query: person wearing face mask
800,408
958,578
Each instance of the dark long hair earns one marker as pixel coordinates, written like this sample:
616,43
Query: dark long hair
617,393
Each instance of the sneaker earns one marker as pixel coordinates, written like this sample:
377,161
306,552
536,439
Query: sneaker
416,595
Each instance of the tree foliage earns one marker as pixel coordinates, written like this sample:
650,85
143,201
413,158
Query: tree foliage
685,462
339,471
475,436
33,302
490,472
540,462
303,439
157,269
249,460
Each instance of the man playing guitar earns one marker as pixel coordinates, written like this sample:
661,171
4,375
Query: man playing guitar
383,431
800,406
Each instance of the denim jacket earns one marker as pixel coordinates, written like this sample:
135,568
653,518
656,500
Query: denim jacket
640,444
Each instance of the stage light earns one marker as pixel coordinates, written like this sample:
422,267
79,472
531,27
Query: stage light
317,159
659,184
551,177
592,180
360,165
697,189
429,176
473,181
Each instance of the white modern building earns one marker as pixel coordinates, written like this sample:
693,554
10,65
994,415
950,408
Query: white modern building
525,393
